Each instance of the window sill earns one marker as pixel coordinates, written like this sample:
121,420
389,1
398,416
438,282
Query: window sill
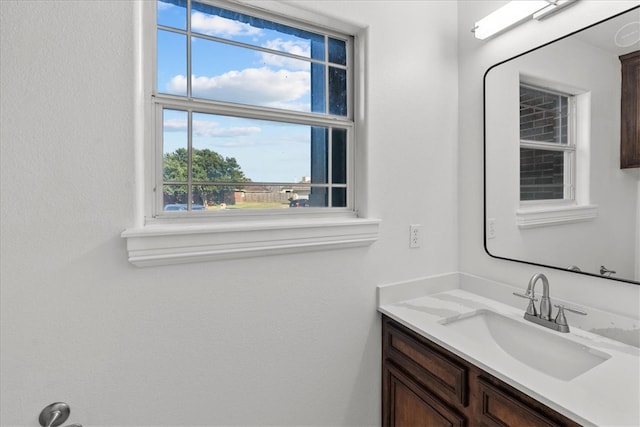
556,215
165,244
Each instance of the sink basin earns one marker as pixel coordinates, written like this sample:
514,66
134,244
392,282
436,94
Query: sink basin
545,351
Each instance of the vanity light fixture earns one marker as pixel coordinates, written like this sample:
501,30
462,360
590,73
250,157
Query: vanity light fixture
553,7
514,13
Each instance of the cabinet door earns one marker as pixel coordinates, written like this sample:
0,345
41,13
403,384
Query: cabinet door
408,404
429,364
630,111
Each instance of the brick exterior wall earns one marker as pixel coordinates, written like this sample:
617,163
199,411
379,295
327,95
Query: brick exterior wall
543,118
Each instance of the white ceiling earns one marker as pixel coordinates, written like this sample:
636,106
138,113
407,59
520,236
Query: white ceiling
619,35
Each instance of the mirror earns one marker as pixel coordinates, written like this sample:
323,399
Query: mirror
555,193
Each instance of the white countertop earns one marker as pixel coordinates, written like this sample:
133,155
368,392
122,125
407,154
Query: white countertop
606,395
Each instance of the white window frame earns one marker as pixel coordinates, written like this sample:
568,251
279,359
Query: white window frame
575,207
168,239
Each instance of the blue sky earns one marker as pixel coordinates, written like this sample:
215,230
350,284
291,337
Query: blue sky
266,151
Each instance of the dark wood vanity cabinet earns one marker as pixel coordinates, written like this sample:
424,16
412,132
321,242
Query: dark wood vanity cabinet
424,384
630,111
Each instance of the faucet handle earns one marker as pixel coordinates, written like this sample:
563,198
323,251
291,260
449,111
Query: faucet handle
576,311
531,308
530,297
562,307
560,317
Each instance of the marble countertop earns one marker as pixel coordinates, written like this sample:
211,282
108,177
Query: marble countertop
606,395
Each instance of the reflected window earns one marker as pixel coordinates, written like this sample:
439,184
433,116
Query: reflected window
252,112
547,145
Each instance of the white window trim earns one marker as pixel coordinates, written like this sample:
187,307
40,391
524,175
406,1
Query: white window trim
544,213
162,244
555,215
154,244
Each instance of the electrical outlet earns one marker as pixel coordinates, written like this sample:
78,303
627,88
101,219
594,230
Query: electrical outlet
415,236
491,228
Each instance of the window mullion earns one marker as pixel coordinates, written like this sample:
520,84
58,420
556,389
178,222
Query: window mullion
190,112
548,146
255,48
158,155
252,112
572,176
327,107
189,62
190,159
330,168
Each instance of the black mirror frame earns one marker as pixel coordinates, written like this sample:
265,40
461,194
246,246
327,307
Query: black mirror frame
484,154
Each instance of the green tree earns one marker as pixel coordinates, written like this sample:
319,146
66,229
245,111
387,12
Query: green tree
207,167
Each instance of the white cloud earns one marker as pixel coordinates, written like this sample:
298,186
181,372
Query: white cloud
219,26
210,128
294,47
175,125
164,5
261,86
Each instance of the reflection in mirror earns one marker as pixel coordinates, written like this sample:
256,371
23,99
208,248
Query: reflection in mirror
555,193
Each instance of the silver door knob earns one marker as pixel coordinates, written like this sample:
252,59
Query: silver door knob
55,414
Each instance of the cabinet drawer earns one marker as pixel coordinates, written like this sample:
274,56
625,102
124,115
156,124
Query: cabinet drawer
442,375
411,405
499,408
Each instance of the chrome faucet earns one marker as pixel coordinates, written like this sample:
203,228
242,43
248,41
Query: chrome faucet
606,272
545,302
544,318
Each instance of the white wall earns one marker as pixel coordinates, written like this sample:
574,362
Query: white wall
475,58
608,239
638,230
283,340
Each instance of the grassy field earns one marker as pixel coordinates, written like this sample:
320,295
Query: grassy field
253,205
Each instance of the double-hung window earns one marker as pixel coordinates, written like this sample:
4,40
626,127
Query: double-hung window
247,133
554,156
547,146
252,112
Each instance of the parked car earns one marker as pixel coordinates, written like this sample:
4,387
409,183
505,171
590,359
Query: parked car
297,203
183,207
